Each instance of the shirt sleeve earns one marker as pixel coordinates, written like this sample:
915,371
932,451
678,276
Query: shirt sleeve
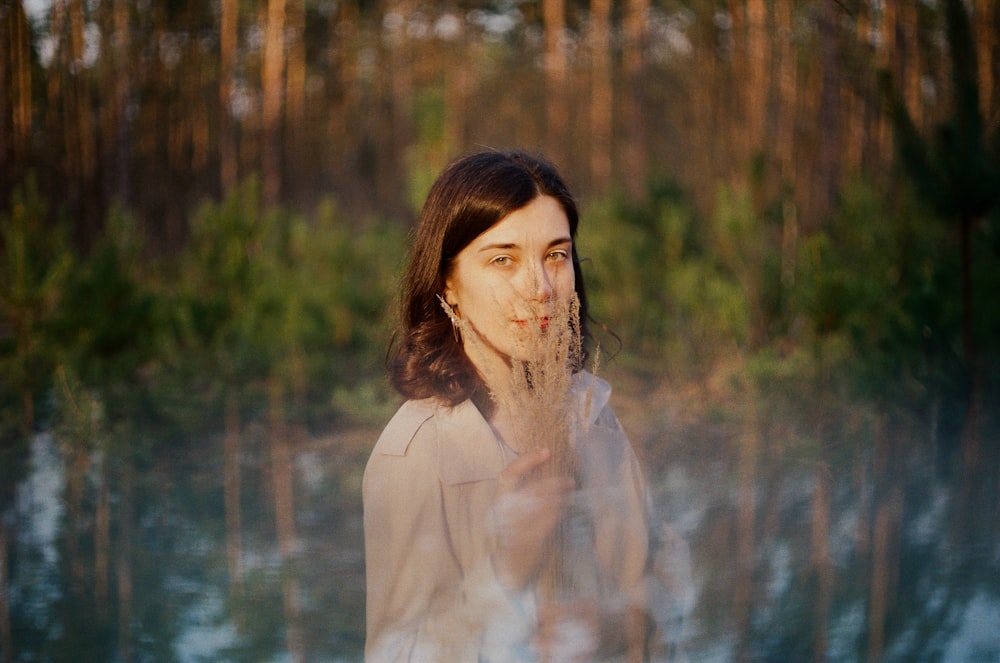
422,605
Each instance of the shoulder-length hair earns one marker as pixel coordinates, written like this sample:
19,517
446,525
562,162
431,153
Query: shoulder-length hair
472,194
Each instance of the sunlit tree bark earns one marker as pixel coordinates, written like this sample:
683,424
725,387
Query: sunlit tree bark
986,20
826,159
756,84
635,30
910,59
15,92
601,94
121,131
295,89
785,136
228,156
272,88
556,72
885,58
458,81
78,124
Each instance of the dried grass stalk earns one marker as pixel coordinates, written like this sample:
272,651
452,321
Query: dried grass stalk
540,401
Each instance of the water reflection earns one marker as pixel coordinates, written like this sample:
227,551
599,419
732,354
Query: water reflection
235,549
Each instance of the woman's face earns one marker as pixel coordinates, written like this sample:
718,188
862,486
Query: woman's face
508,282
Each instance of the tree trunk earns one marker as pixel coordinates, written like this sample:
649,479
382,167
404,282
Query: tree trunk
15,94
272,75
556,68
826,175
295,93
457,82
785,136
601,95
910,57
756,82
228,155
121,132
635,172
985,22
79,125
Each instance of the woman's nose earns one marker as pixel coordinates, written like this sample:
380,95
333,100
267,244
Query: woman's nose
540,284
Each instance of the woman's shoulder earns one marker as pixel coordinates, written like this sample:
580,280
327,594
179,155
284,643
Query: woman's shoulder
410,418
456,440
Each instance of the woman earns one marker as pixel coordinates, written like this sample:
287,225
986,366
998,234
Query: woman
504,508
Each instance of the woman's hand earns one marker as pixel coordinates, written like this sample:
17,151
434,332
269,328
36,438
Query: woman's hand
526,511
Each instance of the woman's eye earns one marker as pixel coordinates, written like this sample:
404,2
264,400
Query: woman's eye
558,256
501,261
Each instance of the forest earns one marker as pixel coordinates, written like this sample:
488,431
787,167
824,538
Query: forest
791,241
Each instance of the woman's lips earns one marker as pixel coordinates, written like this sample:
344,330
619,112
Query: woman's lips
542,323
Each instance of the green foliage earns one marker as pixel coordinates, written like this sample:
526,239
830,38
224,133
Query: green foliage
37,262
875,288
109,323
652,277
277,294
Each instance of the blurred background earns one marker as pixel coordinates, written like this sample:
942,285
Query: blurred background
790,223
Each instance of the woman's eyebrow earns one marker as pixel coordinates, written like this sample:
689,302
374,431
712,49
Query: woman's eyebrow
511,245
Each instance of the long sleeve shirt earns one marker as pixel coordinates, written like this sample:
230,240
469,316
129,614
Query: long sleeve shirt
432,592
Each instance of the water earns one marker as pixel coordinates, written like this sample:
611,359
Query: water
787,552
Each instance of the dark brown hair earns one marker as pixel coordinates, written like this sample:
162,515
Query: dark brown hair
472,195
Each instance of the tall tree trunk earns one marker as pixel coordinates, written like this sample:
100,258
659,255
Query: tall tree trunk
228,155
986,21
457,81
601,95
295,92
343,130
556,71
79,122
15,94
756,83
272,77
635,171
826,174
121,131
910,60
785,136
885,57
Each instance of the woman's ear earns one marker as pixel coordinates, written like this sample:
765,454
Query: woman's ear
449,294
